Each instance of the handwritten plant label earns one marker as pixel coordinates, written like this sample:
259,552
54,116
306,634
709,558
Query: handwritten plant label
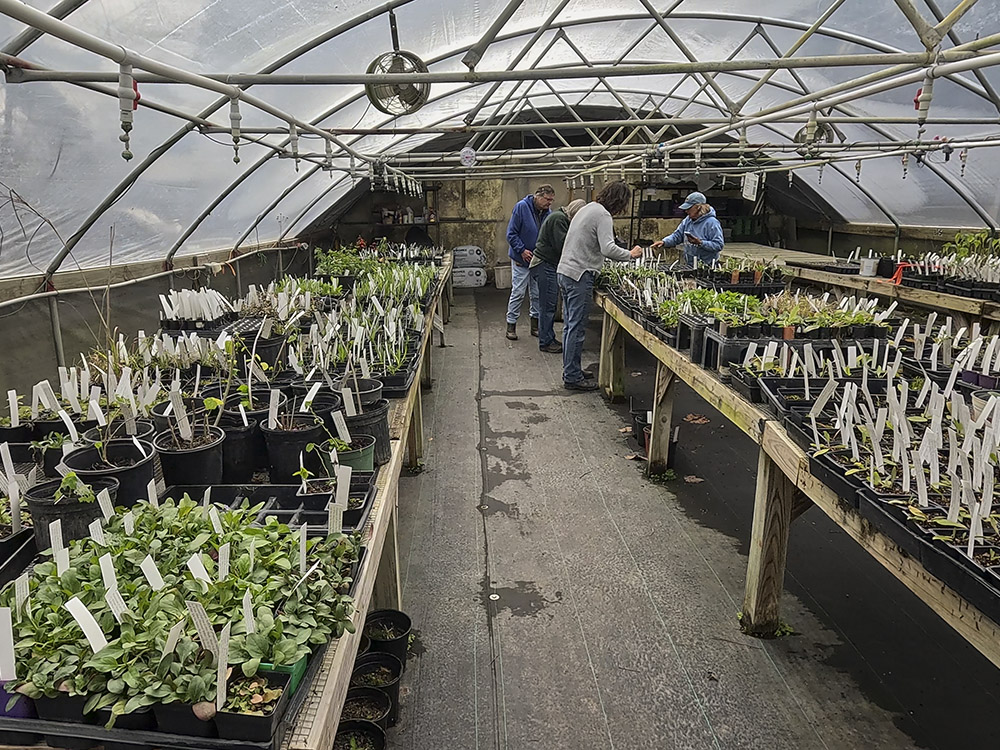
206,633
115,603
172,637
213,515
303,537
108,574
224,561
341,424
8,670
20,592
272,410
151,493
349,406
104,500
248,616
223,654
128,520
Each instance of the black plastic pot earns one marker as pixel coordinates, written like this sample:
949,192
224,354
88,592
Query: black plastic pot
76,517
400,623
198,465
42,427
162,423
51,458
255,728
144,430
323,406
239,450
179,718
142,720
20,434
267,350
368,390
360,728
364,646
373,661
67,709
285,446
374,421
132,479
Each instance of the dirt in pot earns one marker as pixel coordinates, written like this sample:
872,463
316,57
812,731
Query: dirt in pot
354,740
382,631
195,442
321,486
353,503
377,677
363,707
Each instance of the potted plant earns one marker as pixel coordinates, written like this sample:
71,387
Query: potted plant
20,434
367,704
388,631
196,459
187,705
288,440
382,671
49,451
359,734
254,706
359,455
129,461
10,541
268,649
70,500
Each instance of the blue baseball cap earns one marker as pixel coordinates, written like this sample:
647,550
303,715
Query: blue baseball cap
693,200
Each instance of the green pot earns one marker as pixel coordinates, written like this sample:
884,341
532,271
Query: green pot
359,459
296,671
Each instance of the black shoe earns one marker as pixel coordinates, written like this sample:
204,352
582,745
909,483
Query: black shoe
512,331
534,327
581,385
553,347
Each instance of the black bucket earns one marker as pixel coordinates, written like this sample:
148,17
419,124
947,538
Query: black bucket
376,624
375,422
239,451
200,465
132,480
285,446
144,430
76,517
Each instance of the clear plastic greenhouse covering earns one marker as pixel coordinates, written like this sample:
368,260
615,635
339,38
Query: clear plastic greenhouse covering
60,151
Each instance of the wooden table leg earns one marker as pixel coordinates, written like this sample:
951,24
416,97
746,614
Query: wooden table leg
611,372
775,501
425,365
415,436
445,309
387,592
663,411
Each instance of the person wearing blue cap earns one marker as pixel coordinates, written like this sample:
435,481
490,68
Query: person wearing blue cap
700,232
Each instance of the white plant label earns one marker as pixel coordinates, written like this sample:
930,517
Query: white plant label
243,415
108,574
8,670
272,410
343,487
183,425
824,396
348,402
213,515
152,573
115,603
15,417
206,497
128,521
223,654
224,562
91,630
206,633
104,500
151,493
248,617
341,424
334,519
20,592
197,568
303,537
172,637
55,535
61,556
366,372
307,401
74,436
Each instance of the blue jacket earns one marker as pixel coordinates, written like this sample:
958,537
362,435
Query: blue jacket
522,231
707,229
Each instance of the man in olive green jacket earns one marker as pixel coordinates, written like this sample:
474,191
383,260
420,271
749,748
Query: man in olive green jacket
548,250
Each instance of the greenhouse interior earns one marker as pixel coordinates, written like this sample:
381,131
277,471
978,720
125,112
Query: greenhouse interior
499,375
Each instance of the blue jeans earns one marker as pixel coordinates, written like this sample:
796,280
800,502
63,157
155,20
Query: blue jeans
544,277
577,297
519,281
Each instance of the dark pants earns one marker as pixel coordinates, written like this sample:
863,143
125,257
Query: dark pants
544,276
577,296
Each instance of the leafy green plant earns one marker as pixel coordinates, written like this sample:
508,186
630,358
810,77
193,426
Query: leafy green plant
73,488
253,696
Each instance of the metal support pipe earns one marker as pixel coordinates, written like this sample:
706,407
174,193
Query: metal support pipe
56,330
18,44
477,50
924,30
158,73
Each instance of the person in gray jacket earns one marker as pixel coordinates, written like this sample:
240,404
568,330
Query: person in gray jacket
590,239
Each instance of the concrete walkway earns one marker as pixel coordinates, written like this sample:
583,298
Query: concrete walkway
562,602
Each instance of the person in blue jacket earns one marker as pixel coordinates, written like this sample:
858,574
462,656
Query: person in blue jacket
700,232
522,233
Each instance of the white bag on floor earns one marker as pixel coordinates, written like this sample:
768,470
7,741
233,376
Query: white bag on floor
468,277
469,256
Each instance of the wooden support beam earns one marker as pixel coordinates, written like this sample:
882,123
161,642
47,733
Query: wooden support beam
415,434
663,410
800,504
611,372
772,517
387,593
425,364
